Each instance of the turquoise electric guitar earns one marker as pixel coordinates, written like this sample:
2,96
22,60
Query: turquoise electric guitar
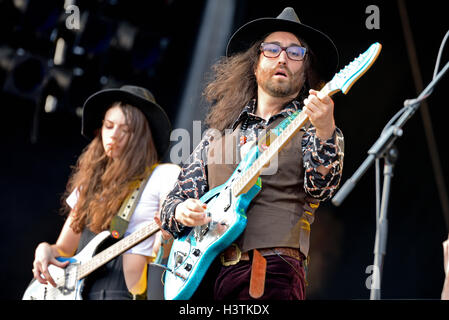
192,254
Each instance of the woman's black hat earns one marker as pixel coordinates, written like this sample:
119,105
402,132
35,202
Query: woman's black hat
96,105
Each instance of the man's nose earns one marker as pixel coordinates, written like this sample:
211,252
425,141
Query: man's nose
282,59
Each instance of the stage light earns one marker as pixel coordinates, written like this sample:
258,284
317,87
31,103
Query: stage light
26,75
125,36
60,52
50,104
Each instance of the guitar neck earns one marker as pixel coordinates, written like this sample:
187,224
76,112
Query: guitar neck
116,249
247,179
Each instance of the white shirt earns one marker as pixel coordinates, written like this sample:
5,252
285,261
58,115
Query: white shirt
160,183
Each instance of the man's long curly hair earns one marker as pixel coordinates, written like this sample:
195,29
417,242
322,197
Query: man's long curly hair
102,182
234,84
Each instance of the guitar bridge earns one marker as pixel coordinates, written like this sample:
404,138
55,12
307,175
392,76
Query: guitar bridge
200,232
70,279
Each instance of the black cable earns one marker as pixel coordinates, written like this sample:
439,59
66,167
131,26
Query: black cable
413,102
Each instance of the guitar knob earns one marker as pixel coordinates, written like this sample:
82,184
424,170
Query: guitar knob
196,252
188,267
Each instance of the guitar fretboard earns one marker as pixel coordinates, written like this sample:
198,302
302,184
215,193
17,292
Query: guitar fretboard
274,147
116,249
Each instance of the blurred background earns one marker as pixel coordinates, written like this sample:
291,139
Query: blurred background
55,53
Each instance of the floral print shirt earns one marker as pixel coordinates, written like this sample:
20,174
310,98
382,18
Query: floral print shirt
193,183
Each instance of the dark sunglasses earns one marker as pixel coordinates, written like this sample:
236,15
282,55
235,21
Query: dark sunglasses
273,50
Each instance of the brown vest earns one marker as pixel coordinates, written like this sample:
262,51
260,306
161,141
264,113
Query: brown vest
280,215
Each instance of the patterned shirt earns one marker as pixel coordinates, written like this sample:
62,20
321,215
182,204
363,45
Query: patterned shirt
193,183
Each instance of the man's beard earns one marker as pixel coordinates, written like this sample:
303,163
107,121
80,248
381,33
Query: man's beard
290,86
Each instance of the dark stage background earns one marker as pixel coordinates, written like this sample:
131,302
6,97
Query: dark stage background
38,147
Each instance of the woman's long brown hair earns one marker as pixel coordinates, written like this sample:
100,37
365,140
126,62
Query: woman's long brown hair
102,182
234,84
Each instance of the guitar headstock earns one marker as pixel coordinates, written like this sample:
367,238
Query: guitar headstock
347,76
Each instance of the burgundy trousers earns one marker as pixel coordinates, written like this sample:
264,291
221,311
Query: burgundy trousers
284,280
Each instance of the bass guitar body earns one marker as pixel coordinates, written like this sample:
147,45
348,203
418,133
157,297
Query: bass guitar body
68,284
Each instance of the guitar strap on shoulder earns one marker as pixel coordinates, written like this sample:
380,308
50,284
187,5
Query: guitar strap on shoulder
119,222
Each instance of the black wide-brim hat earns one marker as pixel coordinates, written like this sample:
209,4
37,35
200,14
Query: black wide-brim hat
322,46
97,104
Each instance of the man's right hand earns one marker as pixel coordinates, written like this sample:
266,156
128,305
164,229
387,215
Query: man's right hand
191,213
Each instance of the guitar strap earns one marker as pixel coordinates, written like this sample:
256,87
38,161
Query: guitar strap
120,222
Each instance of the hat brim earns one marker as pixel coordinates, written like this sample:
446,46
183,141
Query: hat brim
97,104
322,46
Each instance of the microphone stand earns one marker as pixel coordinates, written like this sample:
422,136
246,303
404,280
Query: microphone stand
384,148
